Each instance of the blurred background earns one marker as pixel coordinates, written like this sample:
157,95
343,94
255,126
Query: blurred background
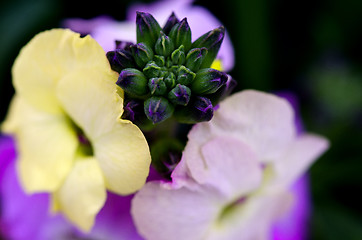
310,48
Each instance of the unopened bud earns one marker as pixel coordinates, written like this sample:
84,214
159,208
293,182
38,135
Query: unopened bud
157,86
158,109
185,76
171,21
164,45
120,59
180,95
178,56
152,70
133,81
212,41
223,91
181,34
195,58
170,80
142,54
199,109
208,81
148,29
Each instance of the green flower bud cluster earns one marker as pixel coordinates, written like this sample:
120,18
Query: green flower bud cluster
168,73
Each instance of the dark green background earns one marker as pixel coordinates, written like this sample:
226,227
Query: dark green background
312,48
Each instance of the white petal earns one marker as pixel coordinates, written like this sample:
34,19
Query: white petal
228,165
263,121
162,214
299,156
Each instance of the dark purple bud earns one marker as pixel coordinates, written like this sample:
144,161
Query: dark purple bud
181,34
120,59
123,45
157,86
132,109
223,91
133,82
158,109
207,81
148,29
195,58
142,54
199,109
212,41
171,21
180,95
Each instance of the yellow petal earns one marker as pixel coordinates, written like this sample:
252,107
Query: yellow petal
82,194
124,157
47,58
90,98
46,145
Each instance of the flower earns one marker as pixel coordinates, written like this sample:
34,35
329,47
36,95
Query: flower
65,117
234,175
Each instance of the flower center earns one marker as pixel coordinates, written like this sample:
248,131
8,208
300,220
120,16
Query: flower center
85,146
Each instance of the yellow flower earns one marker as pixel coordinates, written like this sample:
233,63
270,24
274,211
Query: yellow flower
65,116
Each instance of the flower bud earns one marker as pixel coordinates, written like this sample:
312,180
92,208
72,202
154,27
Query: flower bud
158,109
123,45
120,59
185,76
181,34
194,58
142,54
164,45
178,56
171,21
131,110
223,91
170,80
157,86
199,109
133,82
152,70
212,41
180,95
208,81
159,60
148,29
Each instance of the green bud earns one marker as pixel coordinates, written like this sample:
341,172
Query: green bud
195,58
170,80
164,45
142,54
157,86
181,34
159,60
152,70
185,76
212,41
180,95
148,29
223,91
133,81
207,81
158,109
171,21
178,56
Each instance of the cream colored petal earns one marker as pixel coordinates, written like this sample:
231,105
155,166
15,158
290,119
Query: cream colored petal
263,121
46,146
124,157
82,194
90,98
47,58
119,146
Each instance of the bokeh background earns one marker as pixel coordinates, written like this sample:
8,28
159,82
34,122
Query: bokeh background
310,48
